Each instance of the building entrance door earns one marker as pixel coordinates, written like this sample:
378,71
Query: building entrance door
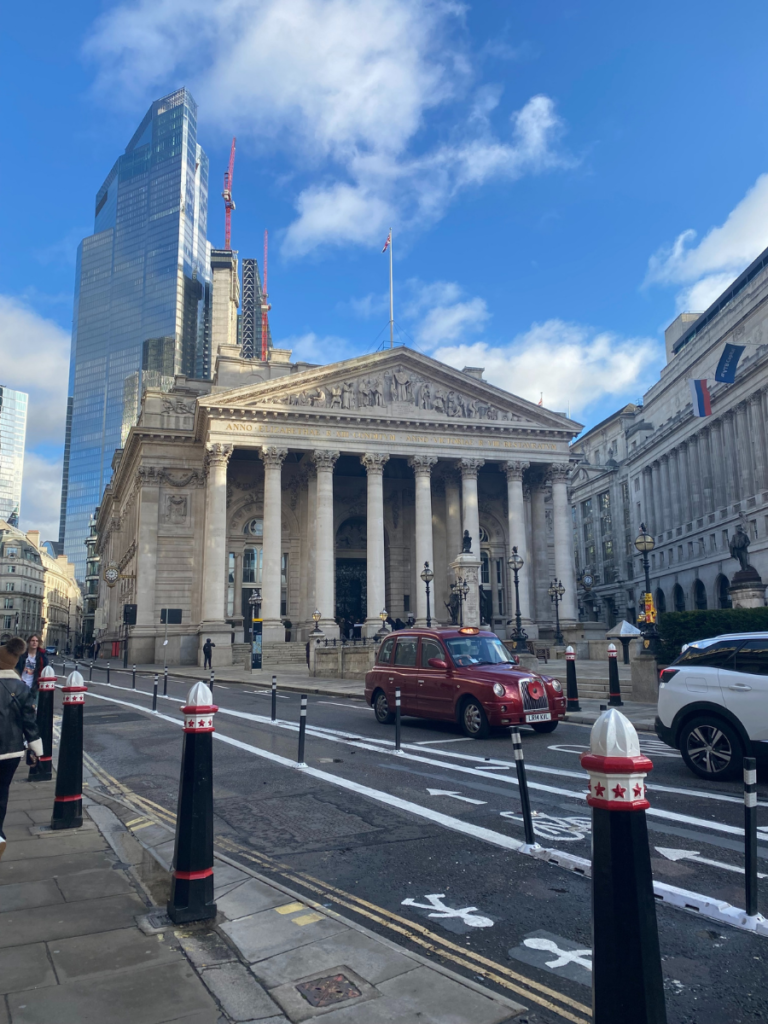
351,590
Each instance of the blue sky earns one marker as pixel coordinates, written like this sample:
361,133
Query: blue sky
562,178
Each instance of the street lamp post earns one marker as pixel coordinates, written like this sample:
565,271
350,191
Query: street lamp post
427,576
460,588
316,616
516,563
383,615
645,544
556,591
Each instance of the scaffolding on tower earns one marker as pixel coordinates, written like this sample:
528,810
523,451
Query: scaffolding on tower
226,195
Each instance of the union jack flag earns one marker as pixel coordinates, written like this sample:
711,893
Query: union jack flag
386,244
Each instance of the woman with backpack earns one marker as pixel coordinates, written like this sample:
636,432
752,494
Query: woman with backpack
17,722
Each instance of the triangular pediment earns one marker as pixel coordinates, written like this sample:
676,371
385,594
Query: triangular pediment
395,384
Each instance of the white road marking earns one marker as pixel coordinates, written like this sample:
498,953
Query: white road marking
338,704
440,910
695,856
549,826
455,795
457,739
564,956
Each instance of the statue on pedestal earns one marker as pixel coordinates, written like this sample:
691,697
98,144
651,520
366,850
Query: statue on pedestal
466,544
739,546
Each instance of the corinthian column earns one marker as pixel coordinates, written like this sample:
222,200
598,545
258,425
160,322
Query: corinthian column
272,544
453,517
375,585
422,472
564,567
469,468
758,439
517,537
214,584
324,555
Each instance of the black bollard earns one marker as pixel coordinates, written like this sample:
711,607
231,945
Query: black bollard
274,698
90,672
603,707
133,678
107,673
154,694
624,929
165,681
750,834
614,690
43,770
68,802
397,718
525,800
192,877
302,729
572,689
212,680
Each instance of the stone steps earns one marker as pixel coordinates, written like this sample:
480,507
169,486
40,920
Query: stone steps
274,652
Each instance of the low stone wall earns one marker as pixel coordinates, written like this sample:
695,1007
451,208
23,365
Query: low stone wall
341,661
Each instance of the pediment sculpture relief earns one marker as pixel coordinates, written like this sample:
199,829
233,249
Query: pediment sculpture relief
398,388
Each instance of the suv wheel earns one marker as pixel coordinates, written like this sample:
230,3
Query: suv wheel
711,748
381,709
473,720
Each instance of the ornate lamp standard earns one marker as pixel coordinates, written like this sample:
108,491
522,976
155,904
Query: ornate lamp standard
460,588
427,576
383,615
644,544
516,563
556,591
316,617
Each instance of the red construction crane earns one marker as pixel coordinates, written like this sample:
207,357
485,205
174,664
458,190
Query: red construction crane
265,308
226,195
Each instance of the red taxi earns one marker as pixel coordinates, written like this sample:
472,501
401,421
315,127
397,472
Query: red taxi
463,675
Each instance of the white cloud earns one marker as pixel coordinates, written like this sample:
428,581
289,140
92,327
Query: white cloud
347,88
312,348
571,364
41,495
708,268
441,313
34,355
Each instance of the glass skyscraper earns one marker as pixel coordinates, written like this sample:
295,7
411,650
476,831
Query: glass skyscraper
140,288
13,432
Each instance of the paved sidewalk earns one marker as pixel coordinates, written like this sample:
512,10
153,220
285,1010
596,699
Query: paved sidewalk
70,949
642,716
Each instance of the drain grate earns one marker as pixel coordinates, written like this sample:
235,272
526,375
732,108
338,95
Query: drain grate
327,991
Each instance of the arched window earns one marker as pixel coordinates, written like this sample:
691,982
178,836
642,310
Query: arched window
700,596
721,590
254,528
660,600
678,596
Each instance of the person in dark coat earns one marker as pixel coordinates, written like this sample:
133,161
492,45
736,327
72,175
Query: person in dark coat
32,663
207,652
17,722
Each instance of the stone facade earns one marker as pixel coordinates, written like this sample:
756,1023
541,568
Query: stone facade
693,481
329,487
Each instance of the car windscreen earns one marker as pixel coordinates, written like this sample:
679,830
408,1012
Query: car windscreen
478,650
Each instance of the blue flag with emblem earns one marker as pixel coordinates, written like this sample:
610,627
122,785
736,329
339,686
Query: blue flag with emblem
729,360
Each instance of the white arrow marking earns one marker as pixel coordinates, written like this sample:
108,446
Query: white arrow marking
440,910
694,855
456,796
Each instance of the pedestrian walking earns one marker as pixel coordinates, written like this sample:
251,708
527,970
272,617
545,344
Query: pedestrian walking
17,722
31,664
207,651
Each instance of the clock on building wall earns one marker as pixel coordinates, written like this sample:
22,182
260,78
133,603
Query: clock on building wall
587,581
111,574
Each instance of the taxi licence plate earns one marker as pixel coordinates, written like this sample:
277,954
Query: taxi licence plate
543,717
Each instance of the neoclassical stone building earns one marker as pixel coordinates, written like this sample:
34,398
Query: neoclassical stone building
329,487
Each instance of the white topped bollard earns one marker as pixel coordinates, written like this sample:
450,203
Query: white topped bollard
571,686
614,689
43,770
627,983
68,801
192,878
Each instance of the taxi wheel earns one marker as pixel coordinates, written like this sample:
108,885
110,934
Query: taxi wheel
381,709
474,722
543,726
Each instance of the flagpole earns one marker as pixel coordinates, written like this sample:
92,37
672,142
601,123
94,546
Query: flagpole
391,300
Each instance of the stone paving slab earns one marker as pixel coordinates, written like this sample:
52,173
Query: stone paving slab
263,935
24,967
25,895
40,924
85,885
41,867
69,841
153,995
108,951
239,993
249,898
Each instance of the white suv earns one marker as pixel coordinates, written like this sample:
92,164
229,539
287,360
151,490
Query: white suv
713,703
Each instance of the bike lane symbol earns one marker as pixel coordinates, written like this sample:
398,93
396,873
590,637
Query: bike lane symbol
556,955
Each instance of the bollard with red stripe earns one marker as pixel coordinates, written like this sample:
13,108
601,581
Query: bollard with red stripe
614,689
192,879
571,686
627,983
68,802
43,770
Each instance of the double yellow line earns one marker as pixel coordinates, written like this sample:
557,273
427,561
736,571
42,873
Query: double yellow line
533,991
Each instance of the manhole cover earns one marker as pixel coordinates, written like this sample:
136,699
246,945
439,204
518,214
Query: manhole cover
327,991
